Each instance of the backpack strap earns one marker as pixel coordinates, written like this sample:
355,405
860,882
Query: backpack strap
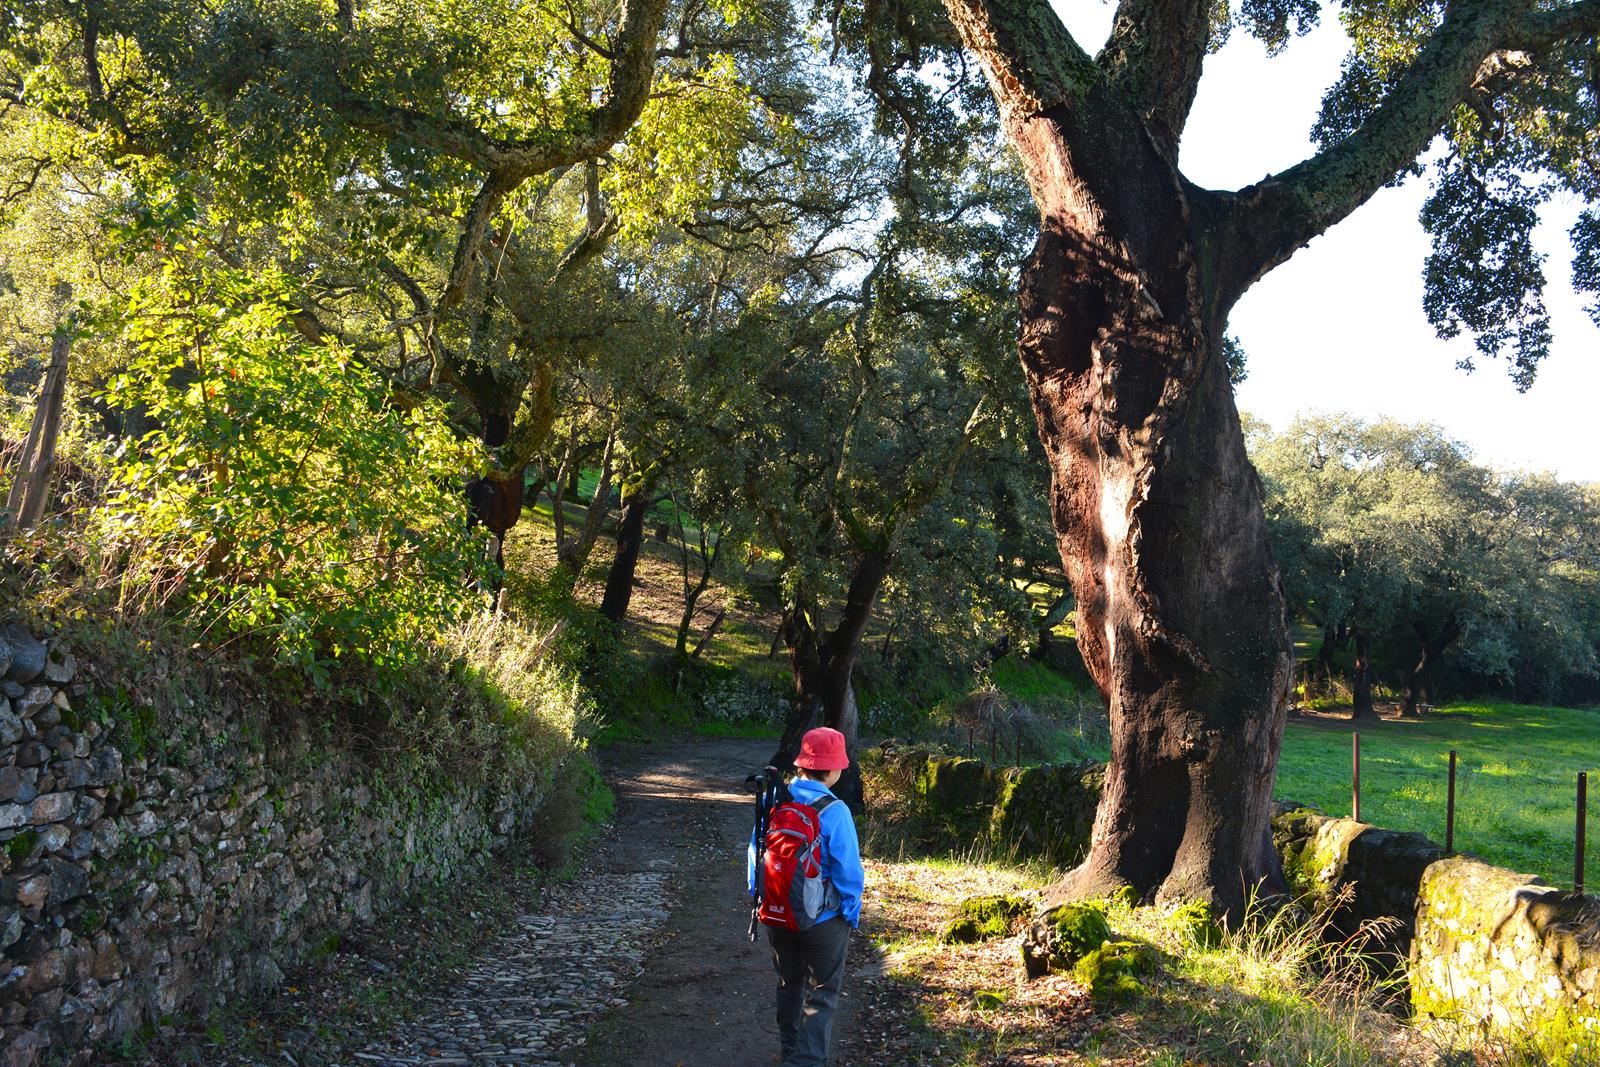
831,900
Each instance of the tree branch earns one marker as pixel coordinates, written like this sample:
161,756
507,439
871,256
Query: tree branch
1153,58
1538,30
1269,221
628,87
1031,61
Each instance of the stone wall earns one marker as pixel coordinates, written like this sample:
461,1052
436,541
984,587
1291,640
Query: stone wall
1041,812
1503,948
1481,945
159,863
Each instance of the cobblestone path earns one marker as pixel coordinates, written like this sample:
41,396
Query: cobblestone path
642,958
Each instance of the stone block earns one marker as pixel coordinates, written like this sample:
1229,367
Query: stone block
68,881
33,891
60,667
38,703
53,807
11,729
28,654
54,838
17,784
22,1048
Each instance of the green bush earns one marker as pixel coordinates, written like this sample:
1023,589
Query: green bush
285,494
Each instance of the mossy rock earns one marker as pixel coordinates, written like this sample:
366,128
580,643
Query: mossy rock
1113,971
1195,925
983,918
1062,935
957,795
989,906
965,930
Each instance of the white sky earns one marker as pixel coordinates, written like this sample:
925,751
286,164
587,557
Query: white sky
1340,326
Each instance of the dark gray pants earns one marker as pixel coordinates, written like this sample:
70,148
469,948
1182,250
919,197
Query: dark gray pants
810,966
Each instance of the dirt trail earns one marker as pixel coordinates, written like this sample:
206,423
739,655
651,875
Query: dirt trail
705,996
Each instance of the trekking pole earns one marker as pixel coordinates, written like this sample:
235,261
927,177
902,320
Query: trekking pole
764,799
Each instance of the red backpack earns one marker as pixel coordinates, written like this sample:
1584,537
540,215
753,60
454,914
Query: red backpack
791,889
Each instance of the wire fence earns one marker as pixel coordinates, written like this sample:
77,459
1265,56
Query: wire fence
1580,804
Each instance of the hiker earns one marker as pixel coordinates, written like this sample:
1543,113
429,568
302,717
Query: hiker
809,936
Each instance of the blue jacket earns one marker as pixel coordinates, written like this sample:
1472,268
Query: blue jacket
841,852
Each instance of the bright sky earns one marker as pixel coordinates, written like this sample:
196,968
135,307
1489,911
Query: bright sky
1340,326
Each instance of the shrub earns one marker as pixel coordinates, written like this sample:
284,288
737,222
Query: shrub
285,494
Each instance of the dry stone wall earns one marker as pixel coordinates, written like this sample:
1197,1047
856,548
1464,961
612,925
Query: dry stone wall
1044,812
1493,946
1481,945
158,863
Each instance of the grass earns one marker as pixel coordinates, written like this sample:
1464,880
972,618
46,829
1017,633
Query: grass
1028,680
1265,998
1515,781
1272,993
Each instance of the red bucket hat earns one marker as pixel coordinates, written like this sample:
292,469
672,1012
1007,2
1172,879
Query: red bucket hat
822,749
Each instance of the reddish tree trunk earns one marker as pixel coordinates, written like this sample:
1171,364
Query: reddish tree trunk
1157,510
1181,618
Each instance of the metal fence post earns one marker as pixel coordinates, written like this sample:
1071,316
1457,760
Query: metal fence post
1583,805
1355,775
1450,810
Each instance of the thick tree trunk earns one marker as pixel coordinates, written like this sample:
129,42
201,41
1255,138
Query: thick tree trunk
1361,679
823,666
1322,669
1157,511
1431,650
1181,618
630,537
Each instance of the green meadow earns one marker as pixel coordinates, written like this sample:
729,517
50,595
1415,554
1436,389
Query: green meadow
1516,778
